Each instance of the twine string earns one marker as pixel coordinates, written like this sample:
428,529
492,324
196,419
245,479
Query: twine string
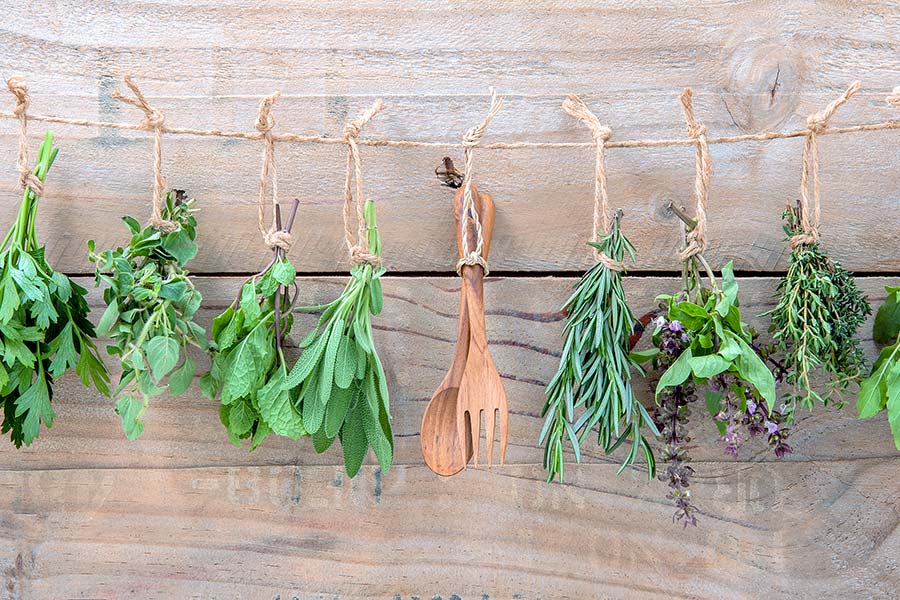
816,124
473,256
358,245
273,236
27,179
576,107
153,121
696,237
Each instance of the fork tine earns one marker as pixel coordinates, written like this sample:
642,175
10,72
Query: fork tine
475,422
504,430
489,434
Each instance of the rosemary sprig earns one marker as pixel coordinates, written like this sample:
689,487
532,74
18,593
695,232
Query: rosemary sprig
595,370
815,322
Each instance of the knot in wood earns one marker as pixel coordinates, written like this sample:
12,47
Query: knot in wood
278,239
894,98
361,256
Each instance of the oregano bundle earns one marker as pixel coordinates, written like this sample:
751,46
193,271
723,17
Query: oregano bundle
814,324
44,326
151,303
339,380
595,369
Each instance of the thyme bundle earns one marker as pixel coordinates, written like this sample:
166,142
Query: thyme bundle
150,302
595,369
43,321
815,322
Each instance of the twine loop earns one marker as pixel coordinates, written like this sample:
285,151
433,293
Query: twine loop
695,242
154,121
358,244
472,137
27,179
576,107
816,124
273,236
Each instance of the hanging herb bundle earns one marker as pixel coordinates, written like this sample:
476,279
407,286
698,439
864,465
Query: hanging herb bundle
881,389
594,374
248,371
43,321
815,322
150,307
339,380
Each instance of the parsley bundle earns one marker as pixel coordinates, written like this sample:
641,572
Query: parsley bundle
881,389
150,306
339,379
815,322
248,371
595,369
43,322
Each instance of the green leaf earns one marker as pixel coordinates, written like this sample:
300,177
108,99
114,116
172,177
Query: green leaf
162,354
307,362
326,375
181,378
131,411
173,290
10,300
872,396
708,366
376,298
353,440
249,303
336,410
284,273
66,356
753,370
642,356
241,417
180,245
261,433
109,317
313,411
276,408
893,401
677,373
689,314
246,362
321,442
380,443
345,363
887,320
729,290
34,404
133,226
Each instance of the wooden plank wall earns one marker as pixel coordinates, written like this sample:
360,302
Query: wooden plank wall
182,514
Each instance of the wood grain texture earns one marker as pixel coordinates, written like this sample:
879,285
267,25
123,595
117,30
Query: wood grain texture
753,66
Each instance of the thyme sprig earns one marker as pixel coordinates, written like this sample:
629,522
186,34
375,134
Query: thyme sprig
595,370
815,322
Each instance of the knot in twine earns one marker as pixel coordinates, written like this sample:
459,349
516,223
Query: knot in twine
273,237
27,179
153,121
358,247
576,107
696,237
894,98
473,256
816,123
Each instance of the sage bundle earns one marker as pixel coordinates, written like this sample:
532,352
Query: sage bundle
881,389
43,314
150,305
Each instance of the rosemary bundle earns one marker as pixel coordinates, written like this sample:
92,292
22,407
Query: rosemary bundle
815,322
150,305
248,371
594,375
338,380
881,389
44,326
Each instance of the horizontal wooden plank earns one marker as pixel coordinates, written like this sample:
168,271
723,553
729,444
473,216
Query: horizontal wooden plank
416,336
795,530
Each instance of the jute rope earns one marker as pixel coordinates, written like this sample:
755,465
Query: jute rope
576,107
894,98
273,236
696,237
153,121
358,247
27,179
472,256
816,123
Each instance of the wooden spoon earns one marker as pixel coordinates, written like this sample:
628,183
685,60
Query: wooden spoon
441,442
481,389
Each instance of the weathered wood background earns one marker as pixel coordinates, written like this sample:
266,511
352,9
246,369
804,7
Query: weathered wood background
182,514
